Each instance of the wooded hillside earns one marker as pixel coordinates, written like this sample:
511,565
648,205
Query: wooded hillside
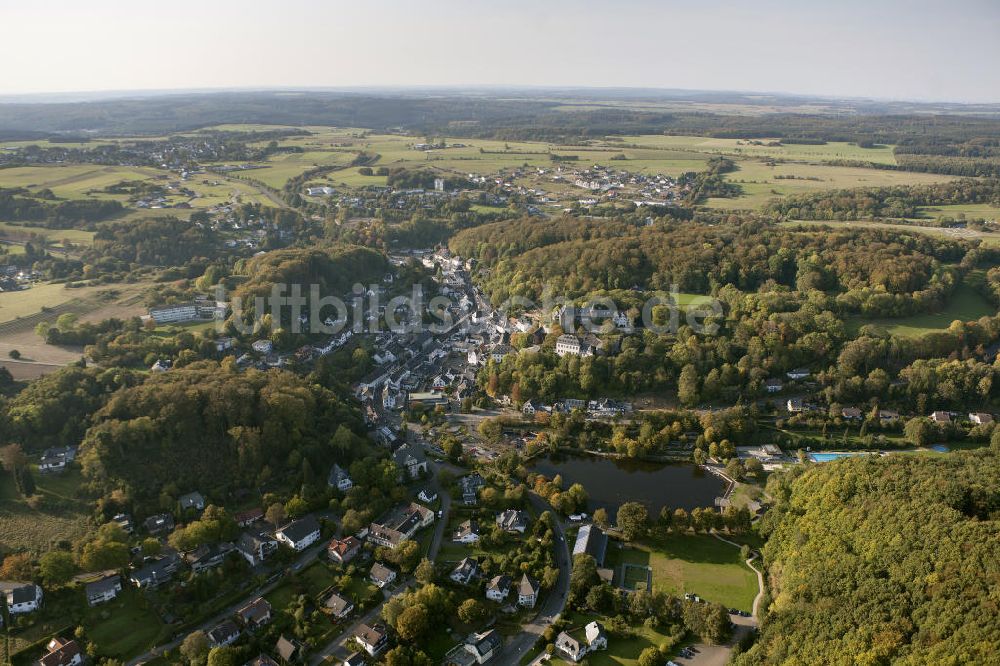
885,560
210,428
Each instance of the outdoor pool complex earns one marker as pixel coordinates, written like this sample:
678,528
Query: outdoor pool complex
827,457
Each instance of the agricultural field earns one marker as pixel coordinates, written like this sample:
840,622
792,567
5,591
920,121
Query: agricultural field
12,231
79,181
989,238
21,311
40,299
762,181
962,212
800,168
213,190
682,564
85,181
19,304
741,148
478,156
56,515
285,166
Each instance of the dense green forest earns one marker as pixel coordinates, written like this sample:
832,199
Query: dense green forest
156,241
334,268
55,410
211,428
884,560
890,272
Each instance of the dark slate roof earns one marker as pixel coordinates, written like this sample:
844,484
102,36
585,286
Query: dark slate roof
23,594
99,587
301,528
491,640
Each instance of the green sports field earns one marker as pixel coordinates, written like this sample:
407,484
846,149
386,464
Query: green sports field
698,564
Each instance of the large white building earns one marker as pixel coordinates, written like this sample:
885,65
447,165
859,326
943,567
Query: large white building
300,534
179,312
571,344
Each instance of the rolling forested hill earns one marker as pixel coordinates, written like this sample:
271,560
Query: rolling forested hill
885,560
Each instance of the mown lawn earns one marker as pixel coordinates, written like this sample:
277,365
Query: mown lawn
309,581
698,564
621,651
360,590
126,626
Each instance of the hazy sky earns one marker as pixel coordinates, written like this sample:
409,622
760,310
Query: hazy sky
880,48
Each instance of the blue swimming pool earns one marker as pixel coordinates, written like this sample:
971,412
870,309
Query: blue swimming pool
827,457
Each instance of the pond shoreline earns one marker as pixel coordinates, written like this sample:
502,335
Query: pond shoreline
612,479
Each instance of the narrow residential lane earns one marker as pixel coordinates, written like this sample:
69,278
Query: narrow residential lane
555,600
306,558
337,649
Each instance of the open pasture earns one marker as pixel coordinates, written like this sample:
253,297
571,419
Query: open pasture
18,232
988,238
40,299
282,167
826,152
762,182
962,212
77,181
966,304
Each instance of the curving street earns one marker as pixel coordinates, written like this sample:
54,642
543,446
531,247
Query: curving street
555,600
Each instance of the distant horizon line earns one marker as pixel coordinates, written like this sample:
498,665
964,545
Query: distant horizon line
93,95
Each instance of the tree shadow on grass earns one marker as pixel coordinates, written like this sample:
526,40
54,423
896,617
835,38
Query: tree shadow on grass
704,549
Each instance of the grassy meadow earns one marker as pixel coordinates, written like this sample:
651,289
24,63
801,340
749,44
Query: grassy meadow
966,304
78,181
962,212
86,181
698,564
741,148
23,232
60,516
19,304
762,181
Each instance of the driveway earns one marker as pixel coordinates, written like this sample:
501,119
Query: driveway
337,648
718,655
442,523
